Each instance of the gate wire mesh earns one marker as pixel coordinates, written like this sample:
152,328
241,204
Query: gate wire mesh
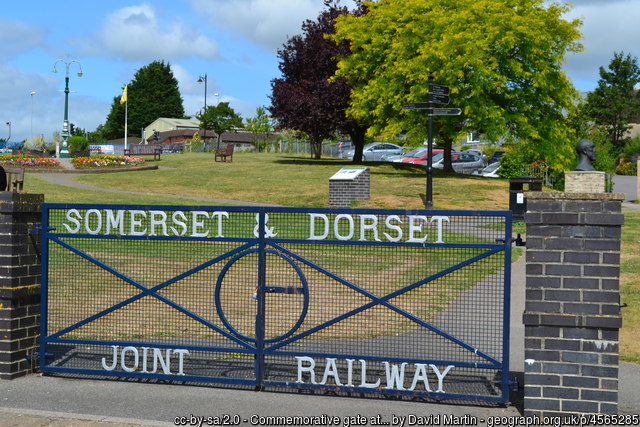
347,300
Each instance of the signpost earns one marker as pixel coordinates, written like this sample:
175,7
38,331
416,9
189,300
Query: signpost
438,94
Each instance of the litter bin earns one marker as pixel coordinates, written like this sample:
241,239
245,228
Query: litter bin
517,201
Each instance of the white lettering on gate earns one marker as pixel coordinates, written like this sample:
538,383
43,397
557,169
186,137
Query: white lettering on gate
395,374
342,227
158,360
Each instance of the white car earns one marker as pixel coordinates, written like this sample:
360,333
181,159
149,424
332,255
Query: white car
490,171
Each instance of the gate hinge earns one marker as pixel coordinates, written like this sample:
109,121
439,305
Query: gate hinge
37,229
36,355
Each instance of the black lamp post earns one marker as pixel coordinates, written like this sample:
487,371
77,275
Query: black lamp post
200,80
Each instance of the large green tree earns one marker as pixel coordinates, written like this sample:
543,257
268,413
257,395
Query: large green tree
152,93
502,60
219,118
615,102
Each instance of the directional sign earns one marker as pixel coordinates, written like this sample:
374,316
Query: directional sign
438,98
438,89
445,111
415,106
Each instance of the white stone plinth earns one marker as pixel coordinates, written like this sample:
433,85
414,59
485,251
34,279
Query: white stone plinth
584,182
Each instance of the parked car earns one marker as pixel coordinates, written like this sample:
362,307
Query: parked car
423,156
411,154
490,171
496,156
461,162
478,153
374,151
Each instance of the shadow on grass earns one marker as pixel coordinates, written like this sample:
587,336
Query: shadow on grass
408,170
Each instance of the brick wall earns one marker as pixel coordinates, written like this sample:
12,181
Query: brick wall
572,312
19,282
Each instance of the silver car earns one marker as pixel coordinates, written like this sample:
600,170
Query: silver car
461,162
398,158
374,151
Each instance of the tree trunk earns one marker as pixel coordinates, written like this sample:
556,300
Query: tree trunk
447,155
316,149
357,138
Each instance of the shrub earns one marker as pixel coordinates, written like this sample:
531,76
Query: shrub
78,143
626,168
632,148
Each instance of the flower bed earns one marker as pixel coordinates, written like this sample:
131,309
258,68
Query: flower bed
106,161
28,161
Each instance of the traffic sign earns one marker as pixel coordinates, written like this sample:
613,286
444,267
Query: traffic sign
445,111
415,106
438,98
438,89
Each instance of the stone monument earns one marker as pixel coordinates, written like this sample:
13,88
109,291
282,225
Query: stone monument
585,179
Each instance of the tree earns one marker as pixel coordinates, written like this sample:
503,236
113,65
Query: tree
615,102
502,60
153,93
303,98
260,126
219,118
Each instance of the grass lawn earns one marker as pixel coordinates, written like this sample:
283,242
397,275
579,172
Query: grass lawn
296,180
283,179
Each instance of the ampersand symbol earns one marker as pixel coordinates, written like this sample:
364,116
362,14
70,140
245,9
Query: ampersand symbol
268,231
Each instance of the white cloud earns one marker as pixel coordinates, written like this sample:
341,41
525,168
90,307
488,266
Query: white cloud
17,37
267,23
608,27
43,112
135,33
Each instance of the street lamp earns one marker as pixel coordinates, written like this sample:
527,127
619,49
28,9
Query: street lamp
217,95
31,134
64,153
200,80
9,137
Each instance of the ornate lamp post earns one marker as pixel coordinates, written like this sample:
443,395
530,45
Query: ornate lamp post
64,152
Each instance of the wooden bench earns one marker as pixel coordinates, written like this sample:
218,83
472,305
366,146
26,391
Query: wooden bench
144,150
223,153
15,179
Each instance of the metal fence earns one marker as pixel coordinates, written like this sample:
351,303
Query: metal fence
370,301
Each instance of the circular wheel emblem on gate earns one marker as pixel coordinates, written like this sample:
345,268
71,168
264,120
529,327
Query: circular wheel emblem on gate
286,296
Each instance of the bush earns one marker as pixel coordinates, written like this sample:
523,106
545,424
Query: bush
78,143
632,148
512,164
627,168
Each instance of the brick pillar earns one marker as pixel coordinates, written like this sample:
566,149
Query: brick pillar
19,282
347,186
572,312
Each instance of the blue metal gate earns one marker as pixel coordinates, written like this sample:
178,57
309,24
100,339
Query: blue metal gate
370,301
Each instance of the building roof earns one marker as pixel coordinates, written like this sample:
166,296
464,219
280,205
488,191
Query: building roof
181,123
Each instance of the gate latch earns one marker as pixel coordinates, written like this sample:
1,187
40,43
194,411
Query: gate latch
519,242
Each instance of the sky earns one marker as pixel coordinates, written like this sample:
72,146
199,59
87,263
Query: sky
233,42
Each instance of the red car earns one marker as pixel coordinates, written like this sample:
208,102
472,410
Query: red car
422,160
